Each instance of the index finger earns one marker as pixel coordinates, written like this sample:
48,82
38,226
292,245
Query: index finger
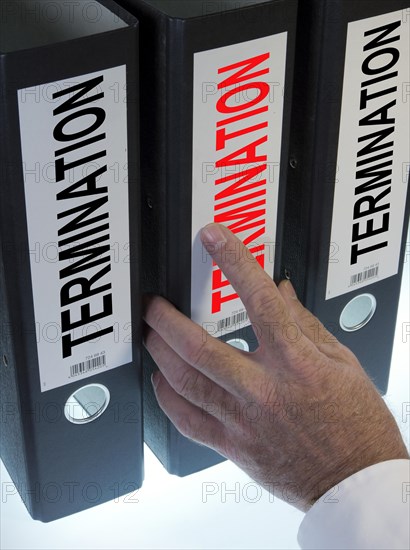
264,303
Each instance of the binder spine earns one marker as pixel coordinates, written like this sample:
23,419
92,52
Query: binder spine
12,441
172,34
154,127
16,440
154,214
58,457
178,163
318,187
298,258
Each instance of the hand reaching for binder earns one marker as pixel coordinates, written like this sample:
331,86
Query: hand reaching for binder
299,415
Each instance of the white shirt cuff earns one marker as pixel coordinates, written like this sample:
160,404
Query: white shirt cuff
368,510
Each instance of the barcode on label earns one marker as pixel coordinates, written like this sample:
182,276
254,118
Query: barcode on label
229,322
86,366
364,275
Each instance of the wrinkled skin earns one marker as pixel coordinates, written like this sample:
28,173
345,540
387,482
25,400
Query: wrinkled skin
299,415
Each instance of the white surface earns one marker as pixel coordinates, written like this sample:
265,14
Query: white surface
169,512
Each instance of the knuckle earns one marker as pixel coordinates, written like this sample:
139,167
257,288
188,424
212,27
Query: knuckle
199,354
346,356
185,427
213,437
263,300
232,254
306,318
187,383
191,429
217,440
268,392
151,340
305,353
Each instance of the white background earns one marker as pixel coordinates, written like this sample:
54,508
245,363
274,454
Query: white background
169,512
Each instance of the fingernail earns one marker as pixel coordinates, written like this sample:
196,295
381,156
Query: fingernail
212,236
290,291
155,379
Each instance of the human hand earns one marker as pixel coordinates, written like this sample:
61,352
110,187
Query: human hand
298,415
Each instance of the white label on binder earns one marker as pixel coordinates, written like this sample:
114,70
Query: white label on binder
373,156
237,131
74,149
